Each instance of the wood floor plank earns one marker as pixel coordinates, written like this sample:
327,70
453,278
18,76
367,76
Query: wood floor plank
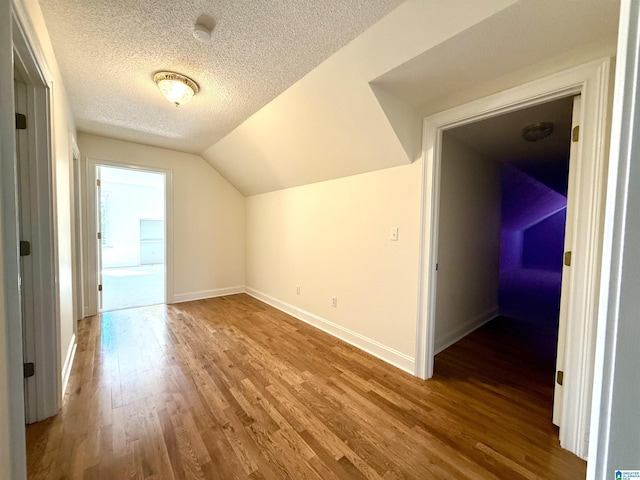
230,388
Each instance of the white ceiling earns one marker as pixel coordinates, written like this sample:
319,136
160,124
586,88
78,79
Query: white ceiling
108,51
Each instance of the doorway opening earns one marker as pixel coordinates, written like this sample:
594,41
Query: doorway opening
131,208
584,236
503,211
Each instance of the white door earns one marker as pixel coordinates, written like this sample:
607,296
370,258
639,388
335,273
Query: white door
99,215
26,260
566,269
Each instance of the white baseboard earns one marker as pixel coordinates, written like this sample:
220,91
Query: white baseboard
220,292
387,354
464,330
68,363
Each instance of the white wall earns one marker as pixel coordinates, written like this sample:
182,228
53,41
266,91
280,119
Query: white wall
468,242
615,438
63,161
208,216
333,239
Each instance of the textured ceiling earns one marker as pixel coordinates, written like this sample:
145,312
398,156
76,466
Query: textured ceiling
108,51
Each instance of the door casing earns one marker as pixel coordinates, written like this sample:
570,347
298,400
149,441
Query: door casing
591,81
92,274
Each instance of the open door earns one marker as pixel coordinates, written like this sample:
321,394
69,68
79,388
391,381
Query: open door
99,216
566,272
26,280
38,313
588,185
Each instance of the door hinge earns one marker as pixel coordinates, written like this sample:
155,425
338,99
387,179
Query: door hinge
436,267
99,236
98,182
575,135
21,121
29,370
559,377
567,259
25,248
99,288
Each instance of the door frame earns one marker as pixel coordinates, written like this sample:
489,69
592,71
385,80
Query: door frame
43,333
77,222
591,81
92,273
15,32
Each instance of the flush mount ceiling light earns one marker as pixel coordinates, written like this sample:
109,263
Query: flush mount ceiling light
176,88
537,131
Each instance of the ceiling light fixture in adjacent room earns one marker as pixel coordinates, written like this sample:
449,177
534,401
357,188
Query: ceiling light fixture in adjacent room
176,88
537,131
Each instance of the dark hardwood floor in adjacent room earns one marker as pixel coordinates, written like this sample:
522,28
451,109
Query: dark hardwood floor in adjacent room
230,388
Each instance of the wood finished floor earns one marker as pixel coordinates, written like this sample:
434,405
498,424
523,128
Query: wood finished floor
230,388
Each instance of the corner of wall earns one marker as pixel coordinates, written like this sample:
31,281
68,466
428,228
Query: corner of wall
404,120
391,356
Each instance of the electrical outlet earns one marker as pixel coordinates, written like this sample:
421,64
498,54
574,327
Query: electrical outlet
334,301
297,289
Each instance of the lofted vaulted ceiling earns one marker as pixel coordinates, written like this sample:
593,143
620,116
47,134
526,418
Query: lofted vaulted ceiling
109,50
296,92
